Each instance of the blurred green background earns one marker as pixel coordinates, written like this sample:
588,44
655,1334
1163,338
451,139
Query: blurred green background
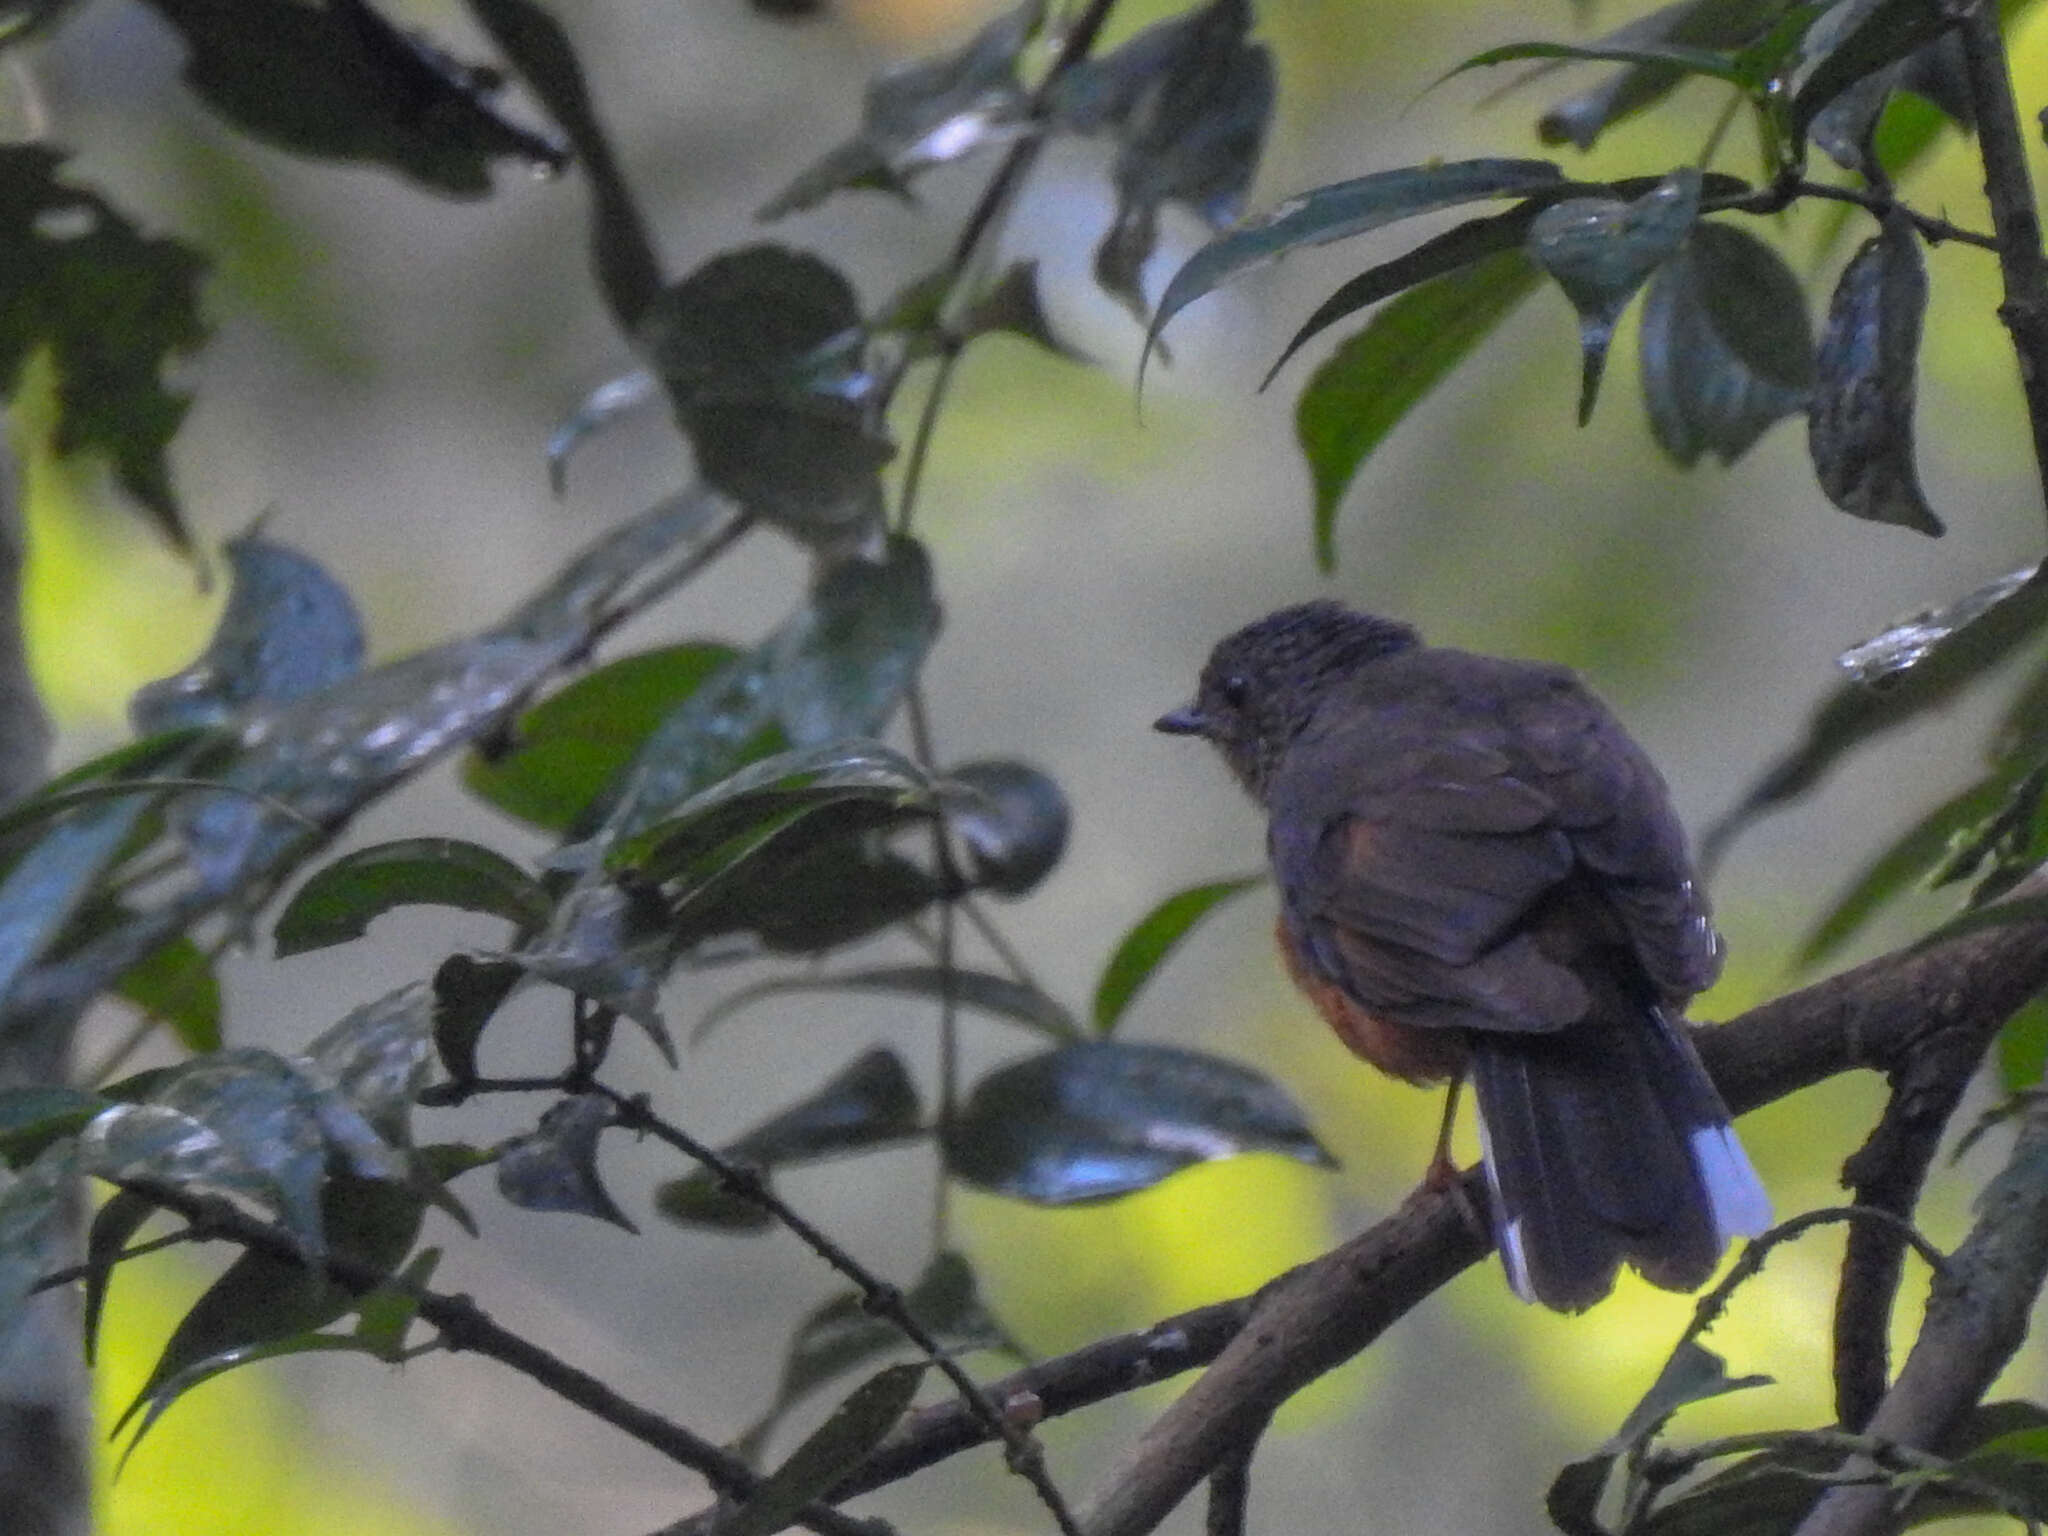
385,371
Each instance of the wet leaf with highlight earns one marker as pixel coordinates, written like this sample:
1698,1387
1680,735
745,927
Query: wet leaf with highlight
342,899
554,1166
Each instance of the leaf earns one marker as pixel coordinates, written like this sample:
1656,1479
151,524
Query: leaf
113,308
1341,210
341,83
32,1118
628,272
113,1224
176,985
1097,1119
385,1316
869,1103
1686,61
341,900
1363,390
1726,346
838,1445
612,944
842,664
288,629
1601,250
990,994
758,350
604,405
377,1058
1888,31
1908,642
809,894
927,113
565,750
1010,819
845,1334
35,1209
554,1166
2023,1048
1860,426
1932,673
1154,937
1189,101
468,991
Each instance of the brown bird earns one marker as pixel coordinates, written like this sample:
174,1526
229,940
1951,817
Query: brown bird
1481,874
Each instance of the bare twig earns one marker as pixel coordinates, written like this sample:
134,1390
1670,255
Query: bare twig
1230,1491
1791,188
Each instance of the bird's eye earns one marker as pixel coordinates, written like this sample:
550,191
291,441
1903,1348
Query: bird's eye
1235,690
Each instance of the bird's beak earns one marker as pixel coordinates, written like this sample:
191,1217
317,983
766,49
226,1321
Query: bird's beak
1188,720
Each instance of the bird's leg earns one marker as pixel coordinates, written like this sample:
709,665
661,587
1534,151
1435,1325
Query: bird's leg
1442,1175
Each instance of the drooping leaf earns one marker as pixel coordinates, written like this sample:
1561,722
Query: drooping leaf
385,1316
554,1166
1364,389
997,996
1152,938
611,944
1726,346
835,1448
927,113
842,664
758,349
341,83
871,1102
565,750
845,1334
1601,250
1188,101
468,991
806,895
1686,61
1101,1118
1010,819
1886,32
113,1224
1344,209
340,902
113,307
628,272
288,629
2007,847
1860,427
609,402
32,1118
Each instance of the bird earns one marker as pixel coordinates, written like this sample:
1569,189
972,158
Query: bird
1481,875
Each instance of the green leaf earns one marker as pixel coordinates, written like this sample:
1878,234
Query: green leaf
113,1224
35,1211
288,629
377,1057
2023,1048
844,661
1887,32
113,308
1154,937
1860,426
385,1316
840,1444
554,1166
1601,250
1010,819
565,750
1726,347
32,1118
628,271
1361,393
1341,210
341,900
613,944
468,991
177,985
998,996
807,894
1687,61
1101,1118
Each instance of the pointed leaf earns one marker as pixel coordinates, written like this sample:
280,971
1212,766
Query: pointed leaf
995,995
288,629
1601,250
554,1166
1094,1120
1687,61
1726,347
611,944
1911,640
608,403
806,895
840,667
1344,209
1154,937
113,1224
1363,390
341,901
468,991
377,1058
1011,820
385,1316
1860,430
838,1445
1692,1375
1888,31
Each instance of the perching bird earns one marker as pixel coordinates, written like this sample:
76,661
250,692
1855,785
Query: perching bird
1481,875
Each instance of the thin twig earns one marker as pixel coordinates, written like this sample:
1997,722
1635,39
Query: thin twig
71,1274
950,348
1787,190
945,957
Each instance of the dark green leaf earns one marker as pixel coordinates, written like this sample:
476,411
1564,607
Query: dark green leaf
288,629
838,1445
554,1166
810,896
926,113
1725,344
176,985
610,401
341,901
113,307
1860,430
613,945
1155,936
697,1200
1887,31
340,82
32,1118
842,664
385,1316
996,995
467,992
1344,209
2023,1048
1573,1499
1687,61
1364,389
113,1224
1601,250
1103,1118
1010,818
568,748
628,272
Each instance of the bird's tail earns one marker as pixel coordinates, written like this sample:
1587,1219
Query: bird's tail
1607,1143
